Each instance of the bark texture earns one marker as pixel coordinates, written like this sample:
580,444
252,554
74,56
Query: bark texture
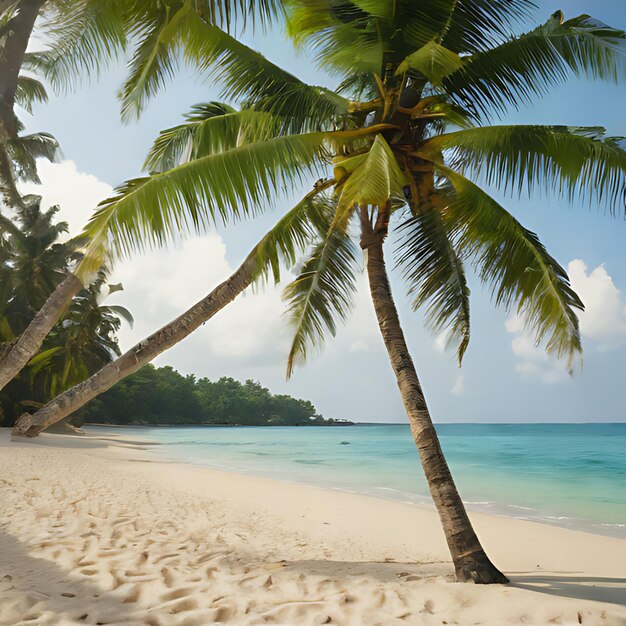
26,346
470,561
16,34
69,401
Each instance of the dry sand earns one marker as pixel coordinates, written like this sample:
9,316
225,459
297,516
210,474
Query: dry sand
95,531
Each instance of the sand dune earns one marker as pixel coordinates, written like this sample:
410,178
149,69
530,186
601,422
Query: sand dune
97,532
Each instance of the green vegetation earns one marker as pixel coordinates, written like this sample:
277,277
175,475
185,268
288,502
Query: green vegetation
33,261
406,142
163,396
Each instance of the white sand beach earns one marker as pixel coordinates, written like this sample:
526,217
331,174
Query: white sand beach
96,531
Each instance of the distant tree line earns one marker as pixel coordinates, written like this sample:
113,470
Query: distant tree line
163,396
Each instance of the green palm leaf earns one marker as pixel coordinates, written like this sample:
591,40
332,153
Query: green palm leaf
210,128
193,196
522,275
29,91
245,75
305,222
154,62
464,26
370,179
436,277
87,35
18,161
567,160
85,38
433,61
527,66
343,37
321,293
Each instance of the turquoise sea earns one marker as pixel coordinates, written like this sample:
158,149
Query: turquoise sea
570,475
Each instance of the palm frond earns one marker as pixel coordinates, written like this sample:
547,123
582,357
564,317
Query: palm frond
155,59
432,61
513,261
308,220
210,128
232,15
26,149
321,293
29,91
527,66
244,181
85,38
463,26
436,277
572,161
8,185
370,179
343,38
245,76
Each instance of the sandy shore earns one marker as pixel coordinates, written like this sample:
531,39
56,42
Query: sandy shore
94,531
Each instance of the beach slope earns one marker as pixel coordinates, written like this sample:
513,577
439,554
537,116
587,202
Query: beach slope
96,531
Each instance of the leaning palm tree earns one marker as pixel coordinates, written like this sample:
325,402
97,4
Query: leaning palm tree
283,244
409,143
84,36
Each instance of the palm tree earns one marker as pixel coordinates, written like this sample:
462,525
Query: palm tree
85,35
406,133
17,20
32,263
283,243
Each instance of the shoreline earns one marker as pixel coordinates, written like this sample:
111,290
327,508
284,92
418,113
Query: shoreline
126,537
492,508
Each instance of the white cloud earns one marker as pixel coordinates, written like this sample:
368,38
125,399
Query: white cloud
75,192
161,284
440,342
534,362
360,345
602,324
458,389
604,319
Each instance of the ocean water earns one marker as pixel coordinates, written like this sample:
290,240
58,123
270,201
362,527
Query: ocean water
571,475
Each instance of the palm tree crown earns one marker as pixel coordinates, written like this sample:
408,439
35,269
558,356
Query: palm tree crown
407,129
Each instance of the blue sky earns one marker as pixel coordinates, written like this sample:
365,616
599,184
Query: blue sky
503,377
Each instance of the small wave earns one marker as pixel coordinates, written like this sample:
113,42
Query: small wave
306,462
612,525
478,503
521,508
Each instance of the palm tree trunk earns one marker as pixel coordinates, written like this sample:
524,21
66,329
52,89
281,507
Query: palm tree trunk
16,34
470,561
28,343
141,354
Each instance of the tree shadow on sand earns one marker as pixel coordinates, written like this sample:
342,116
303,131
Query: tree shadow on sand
566,584
562,584
38,591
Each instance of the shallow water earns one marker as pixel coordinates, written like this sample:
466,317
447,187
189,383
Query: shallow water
570,475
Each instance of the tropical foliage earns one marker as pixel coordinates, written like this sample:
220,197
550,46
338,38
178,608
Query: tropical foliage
33,261
407,142
163,396
408,127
